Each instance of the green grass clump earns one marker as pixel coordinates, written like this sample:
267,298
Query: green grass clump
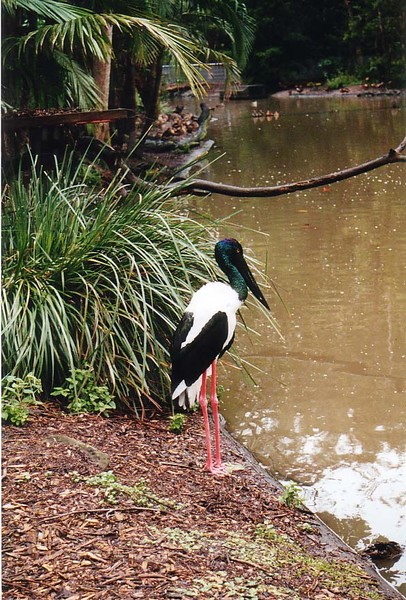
92,279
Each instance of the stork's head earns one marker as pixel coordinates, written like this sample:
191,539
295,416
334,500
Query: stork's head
230,258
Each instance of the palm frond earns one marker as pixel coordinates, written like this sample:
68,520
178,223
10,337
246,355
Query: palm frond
228,17
87,34
176,40
49,9
81,89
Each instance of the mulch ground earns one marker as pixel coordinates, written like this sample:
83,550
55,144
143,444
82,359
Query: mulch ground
154,525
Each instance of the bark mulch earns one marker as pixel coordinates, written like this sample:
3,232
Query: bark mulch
98,508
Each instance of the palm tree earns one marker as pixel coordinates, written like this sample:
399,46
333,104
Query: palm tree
221,30
58,54
39,70
49,48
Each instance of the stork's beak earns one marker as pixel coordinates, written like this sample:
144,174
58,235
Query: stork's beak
250,281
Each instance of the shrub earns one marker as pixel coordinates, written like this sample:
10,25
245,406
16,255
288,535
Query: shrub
90,277
341,80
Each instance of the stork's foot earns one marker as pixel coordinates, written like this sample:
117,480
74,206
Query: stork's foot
223,469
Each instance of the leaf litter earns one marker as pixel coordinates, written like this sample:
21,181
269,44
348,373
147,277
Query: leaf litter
97,508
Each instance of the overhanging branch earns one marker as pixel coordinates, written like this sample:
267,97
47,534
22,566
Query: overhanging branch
198,186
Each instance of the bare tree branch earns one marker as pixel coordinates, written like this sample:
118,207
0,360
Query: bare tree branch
198,186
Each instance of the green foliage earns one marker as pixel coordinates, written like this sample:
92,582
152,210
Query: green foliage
177,423
291,495
17,397
306,527
364,38
220,389
341,80
92,278
84,395
272,554
266,531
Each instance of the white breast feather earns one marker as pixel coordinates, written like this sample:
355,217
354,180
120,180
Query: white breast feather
210,299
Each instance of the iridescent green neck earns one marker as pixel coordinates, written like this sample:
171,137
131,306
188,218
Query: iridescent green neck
235,278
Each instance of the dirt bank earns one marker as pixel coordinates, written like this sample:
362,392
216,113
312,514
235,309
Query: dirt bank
99,508
321,91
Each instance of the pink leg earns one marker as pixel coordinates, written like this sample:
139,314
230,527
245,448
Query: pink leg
203,404
218,466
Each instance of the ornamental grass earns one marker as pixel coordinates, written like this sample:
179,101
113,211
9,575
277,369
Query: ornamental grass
95,280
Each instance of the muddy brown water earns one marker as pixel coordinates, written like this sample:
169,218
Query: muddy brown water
328,406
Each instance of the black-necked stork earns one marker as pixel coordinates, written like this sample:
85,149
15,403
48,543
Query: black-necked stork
205,332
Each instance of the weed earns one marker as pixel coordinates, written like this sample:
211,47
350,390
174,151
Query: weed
291,495
17,397
269,552
24,477
220,389
306,527
266,531
111,488
84,394
177,423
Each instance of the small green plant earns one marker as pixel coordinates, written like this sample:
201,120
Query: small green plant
17,397
84,394
291,495
266,531
306,527
220,391
24,477
111,487
177,423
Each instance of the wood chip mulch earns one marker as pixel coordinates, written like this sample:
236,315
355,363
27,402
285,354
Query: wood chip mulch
165,528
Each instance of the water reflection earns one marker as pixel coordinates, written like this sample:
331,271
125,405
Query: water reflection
329,406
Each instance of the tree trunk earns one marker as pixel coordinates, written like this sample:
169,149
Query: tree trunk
358,56
148,82
101,74
128,97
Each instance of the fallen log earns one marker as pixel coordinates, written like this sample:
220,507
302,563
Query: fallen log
185,142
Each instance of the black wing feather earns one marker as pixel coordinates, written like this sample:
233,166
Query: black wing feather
189,362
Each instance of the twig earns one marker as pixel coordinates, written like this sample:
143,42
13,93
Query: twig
182,466
151,576
98,510
250,564
14,583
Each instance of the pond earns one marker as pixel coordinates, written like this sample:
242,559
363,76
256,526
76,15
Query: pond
328,405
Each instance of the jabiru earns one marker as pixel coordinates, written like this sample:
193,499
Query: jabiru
204,333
